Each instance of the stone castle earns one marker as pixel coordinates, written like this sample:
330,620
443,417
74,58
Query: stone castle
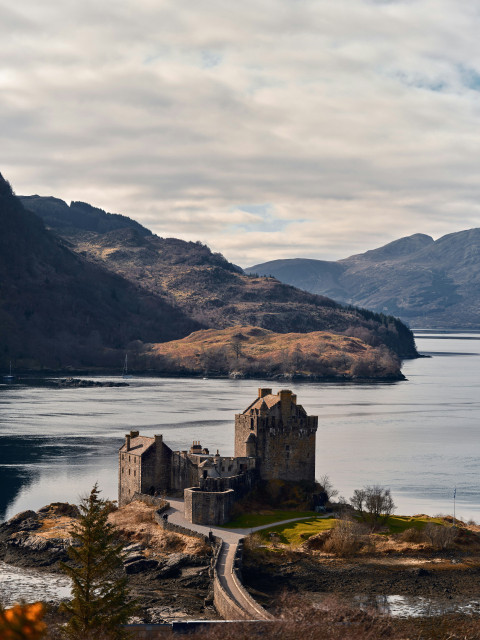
274,439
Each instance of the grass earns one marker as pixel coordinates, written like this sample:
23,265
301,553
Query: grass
295,533
252,520
398,524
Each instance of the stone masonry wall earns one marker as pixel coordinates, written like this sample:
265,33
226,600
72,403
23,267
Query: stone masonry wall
129,477
208,507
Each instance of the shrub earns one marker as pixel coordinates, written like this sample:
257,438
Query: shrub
346,539
412,534
439,536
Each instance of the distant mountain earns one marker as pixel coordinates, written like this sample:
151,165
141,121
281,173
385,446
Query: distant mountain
427,283
57,309
207,288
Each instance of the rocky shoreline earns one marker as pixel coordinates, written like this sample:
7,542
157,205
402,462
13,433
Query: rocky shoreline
432,583
166,587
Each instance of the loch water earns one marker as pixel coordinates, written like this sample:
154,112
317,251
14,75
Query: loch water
420,437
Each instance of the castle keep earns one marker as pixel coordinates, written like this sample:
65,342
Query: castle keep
274,439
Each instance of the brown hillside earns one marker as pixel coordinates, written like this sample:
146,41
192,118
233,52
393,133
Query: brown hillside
253,351
206,287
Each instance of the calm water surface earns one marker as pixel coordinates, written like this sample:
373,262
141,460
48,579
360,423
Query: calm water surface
420,437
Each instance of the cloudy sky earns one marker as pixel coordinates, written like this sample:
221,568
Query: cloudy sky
265,128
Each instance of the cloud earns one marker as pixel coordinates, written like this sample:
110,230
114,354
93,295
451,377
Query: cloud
275,129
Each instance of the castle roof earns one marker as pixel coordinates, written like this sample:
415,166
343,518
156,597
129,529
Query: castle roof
138,445
268,401
206,463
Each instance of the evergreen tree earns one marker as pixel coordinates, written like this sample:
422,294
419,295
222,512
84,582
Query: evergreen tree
100,602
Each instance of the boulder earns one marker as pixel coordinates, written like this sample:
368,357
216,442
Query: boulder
140,565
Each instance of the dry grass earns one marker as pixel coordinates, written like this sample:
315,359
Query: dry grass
135,521
244,347
56,527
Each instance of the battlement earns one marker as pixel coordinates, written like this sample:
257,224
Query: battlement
278,431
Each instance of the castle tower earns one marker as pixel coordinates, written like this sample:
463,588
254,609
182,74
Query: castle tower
277,430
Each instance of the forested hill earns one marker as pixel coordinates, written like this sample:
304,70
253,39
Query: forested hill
429,284
58,309
207,288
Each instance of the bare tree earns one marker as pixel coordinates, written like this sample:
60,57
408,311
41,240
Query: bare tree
374,503
327,487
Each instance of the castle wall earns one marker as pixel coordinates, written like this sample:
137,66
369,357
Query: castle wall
129,477
288,453
183,472
281,435
208,507
241,483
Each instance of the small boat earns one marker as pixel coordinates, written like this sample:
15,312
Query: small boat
10,376
125,368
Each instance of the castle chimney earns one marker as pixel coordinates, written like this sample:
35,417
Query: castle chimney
285,403
264,392
134,434
294,398
127,441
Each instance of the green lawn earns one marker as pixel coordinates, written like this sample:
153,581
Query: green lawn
397,524
251,520
295,533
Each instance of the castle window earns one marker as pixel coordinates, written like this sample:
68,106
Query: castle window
134,474
129,472
287,447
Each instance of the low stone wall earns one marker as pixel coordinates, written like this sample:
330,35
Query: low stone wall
226,607
152,501
176,528
224,604
260,612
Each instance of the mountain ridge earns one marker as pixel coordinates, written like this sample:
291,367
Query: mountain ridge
217,294
58,309
426,283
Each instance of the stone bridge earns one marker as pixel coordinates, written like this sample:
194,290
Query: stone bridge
232,600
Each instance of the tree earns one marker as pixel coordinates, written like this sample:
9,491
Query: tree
374,503
100,602
327,487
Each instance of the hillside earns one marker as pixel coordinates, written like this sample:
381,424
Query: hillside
255,352
427,283
209,289
58,309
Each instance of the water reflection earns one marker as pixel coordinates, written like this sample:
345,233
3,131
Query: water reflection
415,606
36,471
